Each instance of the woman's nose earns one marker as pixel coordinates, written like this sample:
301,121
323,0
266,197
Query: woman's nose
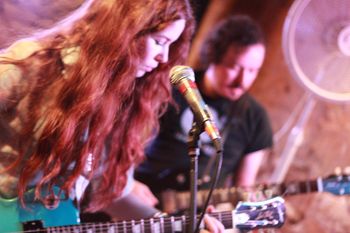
163,56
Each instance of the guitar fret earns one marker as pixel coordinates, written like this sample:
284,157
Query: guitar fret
92,228
101,227
162,225
308,187
115,227
119,226
184,227
111,228
176,224
156,225
319,184
230,222
172,225
142,226
153,227
165,224
125,230
220,217
135,227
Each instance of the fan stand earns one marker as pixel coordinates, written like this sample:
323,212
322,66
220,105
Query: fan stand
294,140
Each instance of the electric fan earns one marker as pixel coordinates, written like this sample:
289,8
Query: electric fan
316,46
316,43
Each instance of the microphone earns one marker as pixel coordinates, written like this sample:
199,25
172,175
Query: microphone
183,78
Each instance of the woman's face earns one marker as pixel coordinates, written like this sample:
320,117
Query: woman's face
157,47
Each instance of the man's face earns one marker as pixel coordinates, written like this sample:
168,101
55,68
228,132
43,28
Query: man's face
237,71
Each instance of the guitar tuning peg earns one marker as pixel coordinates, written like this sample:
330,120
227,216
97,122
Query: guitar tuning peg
337,171
347,170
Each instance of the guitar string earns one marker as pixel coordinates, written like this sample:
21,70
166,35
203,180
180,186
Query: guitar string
225,216
130,227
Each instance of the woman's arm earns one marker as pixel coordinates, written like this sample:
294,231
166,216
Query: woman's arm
249,168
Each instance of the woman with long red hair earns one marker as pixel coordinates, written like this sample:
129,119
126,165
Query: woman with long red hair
81,99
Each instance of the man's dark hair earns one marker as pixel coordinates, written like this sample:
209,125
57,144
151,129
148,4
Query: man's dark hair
237,30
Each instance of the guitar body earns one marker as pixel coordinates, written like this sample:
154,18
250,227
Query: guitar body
16,218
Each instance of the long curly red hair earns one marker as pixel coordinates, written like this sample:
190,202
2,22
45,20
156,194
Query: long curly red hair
98,94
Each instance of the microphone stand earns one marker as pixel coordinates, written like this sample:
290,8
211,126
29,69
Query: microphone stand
193,152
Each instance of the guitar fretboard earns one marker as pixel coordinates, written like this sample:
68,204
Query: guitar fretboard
153,225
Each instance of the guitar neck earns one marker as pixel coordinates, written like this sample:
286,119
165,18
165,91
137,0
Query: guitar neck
173,200
158,225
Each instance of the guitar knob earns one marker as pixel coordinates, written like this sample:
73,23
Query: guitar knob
51,202
337,171
181,179
347,171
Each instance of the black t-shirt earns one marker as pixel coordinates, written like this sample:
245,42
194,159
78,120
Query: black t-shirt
168,163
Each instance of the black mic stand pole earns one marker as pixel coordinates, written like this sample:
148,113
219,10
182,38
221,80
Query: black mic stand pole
193,152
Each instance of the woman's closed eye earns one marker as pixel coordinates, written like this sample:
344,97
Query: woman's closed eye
160,42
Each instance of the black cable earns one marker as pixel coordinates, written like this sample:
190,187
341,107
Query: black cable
217,169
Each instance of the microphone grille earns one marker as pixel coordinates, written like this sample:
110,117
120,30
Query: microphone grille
178,73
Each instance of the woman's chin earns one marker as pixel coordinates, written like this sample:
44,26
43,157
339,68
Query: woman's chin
140,73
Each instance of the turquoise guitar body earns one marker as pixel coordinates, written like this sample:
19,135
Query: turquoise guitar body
14,217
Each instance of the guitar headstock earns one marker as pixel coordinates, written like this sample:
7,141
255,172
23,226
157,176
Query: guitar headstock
335,184
263,214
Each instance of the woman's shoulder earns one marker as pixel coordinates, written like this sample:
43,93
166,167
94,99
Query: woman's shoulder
11,78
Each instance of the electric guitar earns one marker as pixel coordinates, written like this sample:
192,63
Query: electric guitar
64,217
172,201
